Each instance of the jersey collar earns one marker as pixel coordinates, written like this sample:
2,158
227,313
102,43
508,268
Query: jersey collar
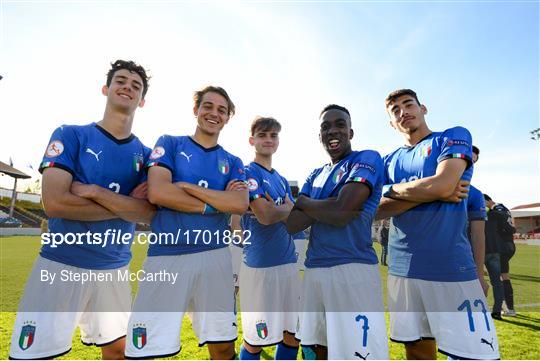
217,146
111,137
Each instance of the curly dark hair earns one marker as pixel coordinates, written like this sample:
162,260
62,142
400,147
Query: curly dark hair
133,68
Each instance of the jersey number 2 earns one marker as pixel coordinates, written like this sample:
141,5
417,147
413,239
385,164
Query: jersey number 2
115,187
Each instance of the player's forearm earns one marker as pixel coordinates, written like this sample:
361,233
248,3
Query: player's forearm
389,207
233,201
173,197
298,221
128,208
478,242
422,190
272,214
70,206
331,210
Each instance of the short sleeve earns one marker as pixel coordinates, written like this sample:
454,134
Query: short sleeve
254,183
162,154
237,172
476,207
62,150
308,185
367,168
456,143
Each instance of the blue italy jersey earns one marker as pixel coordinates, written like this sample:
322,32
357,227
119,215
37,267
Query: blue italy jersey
330,245
212,168
269,245
429,242
476,206
94,156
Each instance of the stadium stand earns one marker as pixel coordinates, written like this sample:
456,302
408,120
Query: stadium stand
27,220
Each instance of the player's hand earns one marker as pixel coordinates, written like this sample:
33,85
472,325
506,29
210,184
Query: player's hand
236,185
460,192
288,203
82,190
181,185
140,192
484,284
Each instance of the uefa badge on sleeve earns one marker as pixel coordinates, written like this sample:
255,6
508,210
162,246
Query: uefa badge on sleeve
28,332
139,336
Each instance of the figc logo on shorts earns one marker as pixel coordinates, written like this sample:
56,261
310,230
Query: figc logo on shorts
224,166
252,184
139,336
26,339
262,330
54,149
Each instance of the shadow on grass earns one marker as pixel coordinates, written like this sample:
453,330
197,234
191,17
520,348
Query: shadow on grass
526,278
516,321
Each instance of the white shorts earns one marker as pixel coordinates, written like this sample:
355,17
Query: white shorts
271,299
343,310
49,313
204,287
301,247
455,314
236,256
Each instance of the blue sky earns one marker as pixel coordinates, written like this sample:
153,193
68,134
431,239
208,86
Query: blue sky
473,64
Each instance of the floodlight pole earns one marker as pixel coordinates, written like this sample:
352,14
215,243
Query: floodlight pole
13,198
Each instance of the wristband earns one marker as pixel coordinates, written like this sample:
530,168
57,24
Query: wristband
387,190
208,209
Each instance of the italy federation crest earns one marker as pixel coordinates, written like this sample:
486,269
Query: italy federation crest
262,330
224,166
27,336
139,337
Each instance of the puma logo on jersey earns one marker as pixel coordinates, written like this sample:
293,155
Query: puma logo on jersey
483,340
265,181
360,356
187,156
88,150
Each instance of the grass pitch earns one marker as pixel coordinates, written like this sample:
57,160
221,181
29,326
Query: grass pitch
518,336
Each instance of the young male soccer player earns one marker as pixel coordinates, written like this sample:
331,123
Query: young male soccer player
92,187
196,183
269,296
433,287
476,213
343,313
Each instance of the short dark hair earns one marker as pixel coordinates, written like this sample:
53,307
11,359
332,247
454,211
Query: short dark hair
487,198
475,150
399,93
199,94
264,124
133,68
336,107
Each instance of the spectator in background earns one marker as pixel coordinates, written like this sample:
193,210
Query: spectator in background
507,250
383,236
492,259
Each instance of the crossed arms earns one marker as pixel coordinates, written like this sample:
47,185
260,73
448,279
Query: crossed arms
336,211
64,198
191,198
445,185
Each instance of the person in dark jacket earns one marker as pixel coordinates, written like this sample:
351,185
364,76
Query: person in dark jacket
492,258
